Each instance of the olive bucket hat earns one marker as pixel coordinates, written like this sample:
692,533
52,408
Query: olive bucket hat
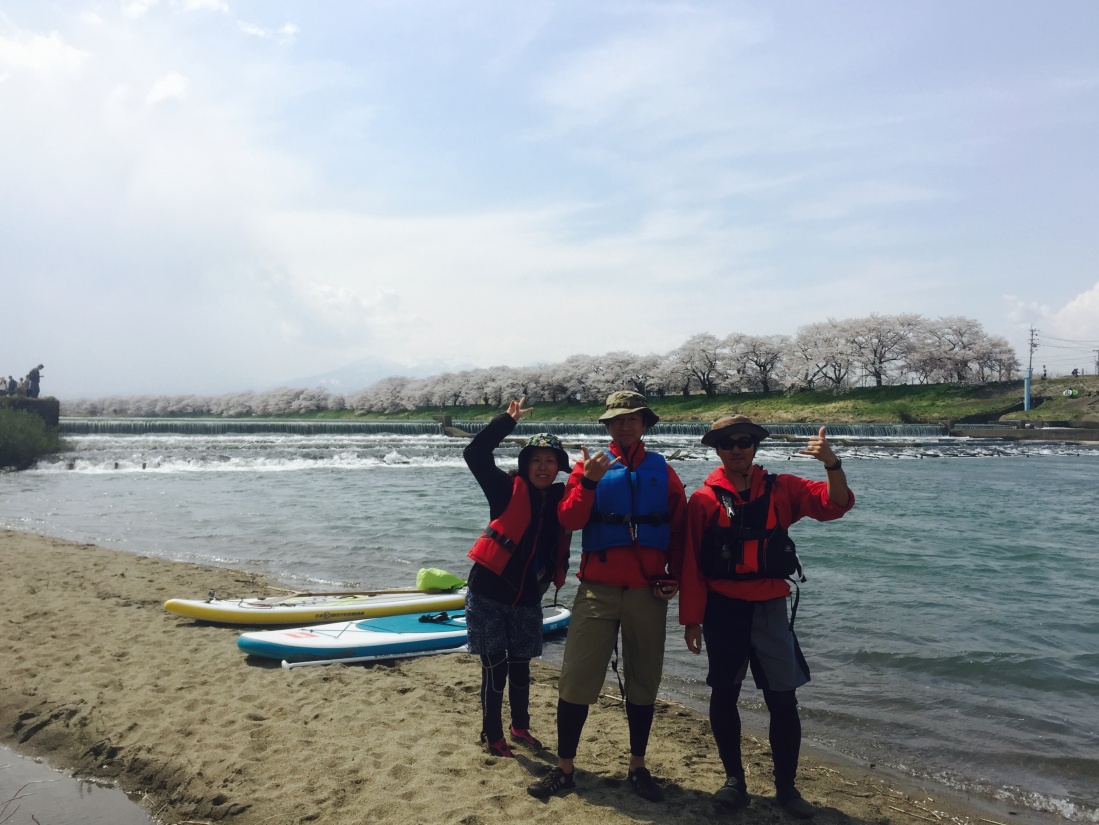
623,402
543,441
731,425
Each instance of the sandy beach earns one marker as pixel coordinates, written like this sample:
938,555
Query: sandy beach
99,680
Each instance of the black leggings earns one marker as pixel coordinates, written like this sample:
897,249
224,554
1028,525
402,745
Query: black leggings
570,724
784,732
497,670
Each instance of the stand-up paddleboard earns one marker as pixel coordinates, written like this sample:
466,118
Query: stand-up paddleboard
383,638
312,608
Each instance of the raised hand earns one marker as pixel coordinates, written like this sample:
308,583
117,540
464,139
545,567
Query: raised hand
819,448
516,409
596,466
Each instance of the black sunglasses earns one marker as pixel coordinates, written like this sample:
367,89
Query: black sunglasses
744,442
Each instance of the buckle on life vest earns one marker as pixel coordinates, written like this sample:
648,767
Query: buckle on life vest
499,538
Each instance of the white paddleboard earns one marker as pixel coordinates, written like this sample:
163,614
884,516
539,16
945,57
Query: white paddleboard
381,638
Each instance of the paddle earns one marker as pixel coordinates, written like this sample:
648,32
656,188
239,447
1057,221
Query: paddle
267,601
375,658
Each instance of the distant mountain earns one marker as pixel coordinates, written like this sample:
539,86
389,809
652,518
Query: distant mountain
361,374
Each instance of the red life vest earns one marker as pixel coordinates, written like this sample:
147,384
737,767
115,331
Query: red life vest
502,536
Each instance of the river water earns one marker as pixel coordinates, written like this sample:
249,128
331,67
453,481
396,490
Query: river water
950,619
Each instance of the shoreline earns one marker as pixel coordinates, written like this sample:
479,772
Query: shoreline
100,681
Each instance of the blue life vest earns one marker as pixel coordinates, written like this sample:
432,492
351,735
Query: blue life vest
630,505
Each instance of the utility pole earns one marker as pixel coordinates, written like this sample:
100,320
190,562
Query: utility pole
1097,362
1030,368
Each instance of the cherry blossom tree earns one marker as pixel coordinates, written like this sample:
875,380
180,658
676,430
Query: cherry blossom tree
878,342
760,360
700,361
820,351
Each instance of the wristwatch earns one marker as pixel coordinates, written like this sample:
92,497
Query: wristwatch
838,465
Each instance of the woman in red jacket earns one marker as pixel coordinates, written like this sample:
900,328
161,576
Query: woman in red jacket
521,552
734,588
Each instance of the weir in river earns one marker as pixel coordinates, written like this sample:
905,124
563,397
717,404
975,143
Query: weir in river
220,426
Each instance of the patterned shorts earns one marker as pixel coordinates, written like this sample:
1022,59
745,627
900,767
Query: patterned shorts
495,627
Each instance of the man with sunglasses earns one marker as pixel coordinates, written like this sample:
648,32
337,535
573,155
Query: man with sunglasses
734,587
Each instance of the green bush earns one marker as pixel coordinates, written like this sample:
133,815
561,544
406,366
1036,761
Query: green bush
23,438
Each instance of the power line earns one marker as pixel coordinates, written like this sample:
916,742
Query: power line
1072,341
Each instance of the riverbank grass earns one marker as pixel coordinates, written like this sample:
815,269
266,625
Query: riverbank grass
24,437
908,404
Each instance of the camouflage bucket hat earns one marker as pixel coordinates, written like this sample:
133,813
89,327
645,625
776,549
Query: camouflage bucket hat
623,402
543,441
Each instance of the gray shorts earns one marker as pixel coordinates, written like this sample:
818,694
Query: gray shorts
597,614
740,633
495,627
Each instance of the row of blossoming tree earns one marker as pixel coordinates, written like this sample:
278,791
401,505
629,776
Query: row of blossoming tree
878,350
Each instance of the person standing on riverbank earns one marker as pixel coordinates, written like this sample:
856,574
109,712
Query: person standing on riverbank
34,377
631,506
521,552
735,570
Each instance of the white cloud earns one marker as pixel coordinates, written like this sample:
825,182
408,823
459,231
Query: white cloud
1079,318
172,86
39,54
409,178
859,198
206,5
138,8
285,33
252,30
660,71
1067,336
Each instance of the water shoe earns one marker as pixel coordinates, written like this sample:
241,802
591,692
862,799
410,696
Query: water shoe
553,782
732,795
792,802
497,748
524,735
645,785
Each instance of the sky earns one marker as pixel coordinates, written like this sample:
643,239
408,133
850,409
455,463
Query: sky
212,196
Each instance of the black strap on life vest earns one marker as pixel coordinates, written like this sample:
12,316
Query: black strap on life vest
500,538
797,598
655,519
614,663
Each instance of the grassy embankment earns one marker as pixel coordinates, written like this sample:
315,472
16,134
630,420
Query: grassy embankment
904,404
24,436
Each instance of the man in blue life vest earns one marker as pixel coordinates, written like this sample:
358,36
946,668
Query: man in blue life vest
631,507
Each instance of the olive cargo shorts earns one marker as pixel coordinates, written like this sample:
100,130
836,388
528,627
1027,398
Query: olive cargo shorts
597,613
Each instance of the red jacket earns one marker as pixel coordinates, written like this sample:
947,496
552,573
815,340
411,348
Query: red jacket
792,498
629,565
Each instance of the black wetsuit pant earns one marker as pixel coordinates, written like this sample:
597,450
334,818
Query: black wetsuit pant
498,671
570,724
784,732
